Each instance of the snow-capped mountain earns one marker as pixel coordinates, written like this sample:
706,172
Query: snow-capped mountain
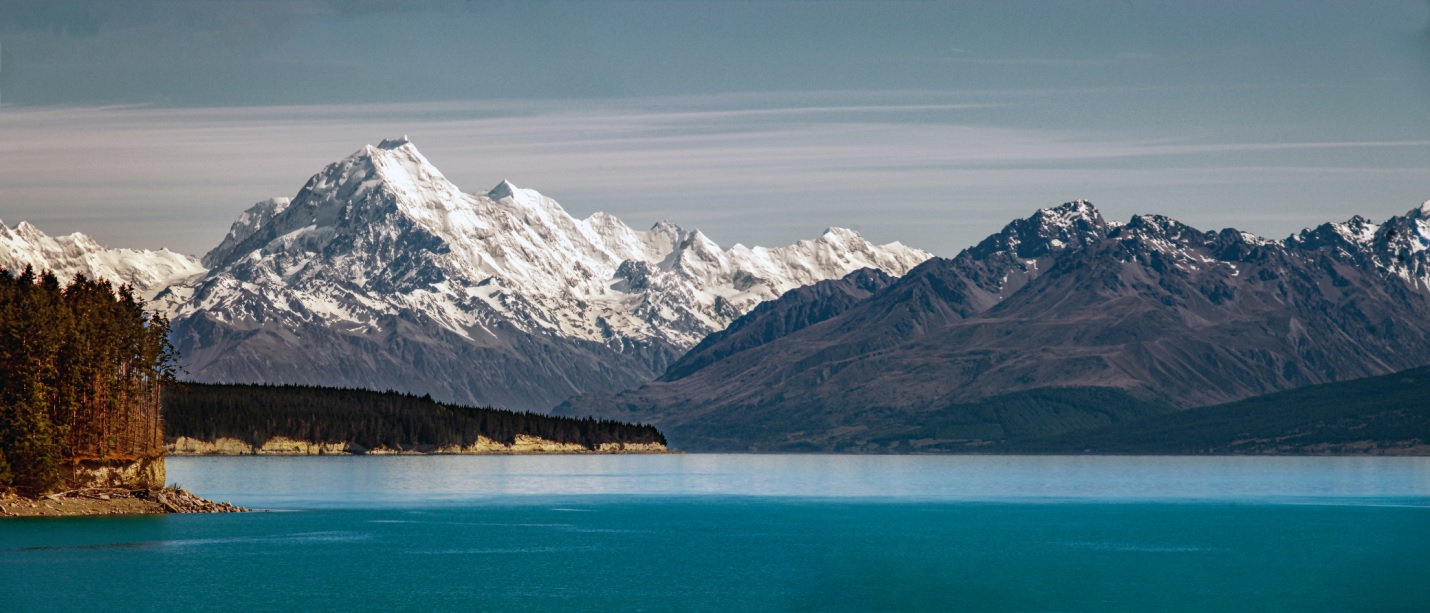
1400,246
148,272
1060,321
382,273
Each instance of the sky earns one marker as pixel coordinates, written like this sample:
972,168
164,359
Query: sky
155,123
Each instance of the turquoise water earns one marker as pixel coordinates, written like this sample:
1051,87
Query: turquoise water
758,533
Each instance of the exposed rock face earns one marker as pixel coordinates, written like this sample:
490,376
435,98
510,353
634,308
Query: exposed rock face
381,274
632,448
522,444
143,473
1063,299
280,445
223,446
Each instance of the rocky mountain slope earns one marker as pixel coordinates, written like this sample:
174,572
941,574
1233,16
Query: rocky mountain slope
380,273
1103,321
149,272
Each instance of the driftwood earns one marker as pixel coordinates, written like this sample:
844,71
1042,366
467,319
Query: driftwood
97,493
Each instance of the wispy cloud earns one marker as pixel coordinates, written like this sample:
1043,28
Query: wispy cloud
748,169
1012,61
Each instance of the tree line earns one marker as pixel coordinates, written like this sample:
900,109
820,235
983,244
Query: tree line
256,413
82,367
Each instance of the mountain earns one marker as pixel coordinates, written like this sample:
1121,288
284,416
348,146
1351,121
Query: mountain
797,308
1061,321
380,273
149,272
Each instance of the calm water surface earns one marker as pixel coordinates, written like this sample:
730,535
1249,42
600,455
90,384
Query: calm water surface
742,532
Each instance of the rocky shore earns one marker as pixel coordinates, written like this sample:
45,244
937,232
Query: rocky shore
111,501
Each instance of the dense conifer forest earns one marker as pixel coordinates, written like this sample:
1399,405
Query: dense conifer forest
256,413
82,367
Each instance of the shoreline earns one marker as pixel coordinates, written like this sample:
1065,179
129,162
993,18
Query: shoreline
184,446
106,501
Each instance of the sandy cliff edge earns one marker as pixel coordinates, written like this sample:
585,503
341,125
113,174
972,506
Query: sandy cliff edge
279,445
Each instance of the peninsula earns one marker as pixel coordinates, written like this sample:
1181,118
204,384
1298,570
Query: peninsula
82,367
226,419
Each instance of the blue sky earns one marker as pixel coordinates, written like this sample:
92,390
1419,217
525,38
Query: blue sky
152,124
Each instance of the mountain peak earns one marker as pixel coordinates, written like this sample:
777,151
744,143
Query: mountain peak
1359,229
407,174
1046,231
1069,211
393,143
525,199
505,189
666,227
28,229
1070,218
1166,233
365,185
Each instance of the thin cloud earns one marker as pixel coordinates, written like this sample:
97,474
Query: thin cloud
178,177
1012,61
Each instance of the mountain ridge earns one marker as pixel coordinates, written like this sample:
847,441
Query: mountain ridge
148,272
1063,299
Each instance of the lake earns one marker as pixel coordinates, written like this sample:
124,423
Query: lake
750,533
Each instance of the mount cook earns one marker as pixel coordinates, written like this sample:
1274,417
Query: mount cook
380,273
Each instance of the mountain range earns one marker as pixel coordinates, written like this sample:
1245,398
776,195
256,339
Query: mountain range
148,272
380,273
1062,321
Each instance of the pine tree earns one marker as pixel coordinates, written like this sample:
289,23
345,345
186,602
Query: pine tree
81,372
5,476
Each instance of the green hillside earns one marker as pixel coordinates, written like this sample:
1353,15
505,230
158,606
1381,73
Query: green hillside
1379,415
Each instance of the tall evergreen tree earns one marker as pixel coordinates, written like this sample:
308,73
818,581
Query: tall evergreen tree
81,372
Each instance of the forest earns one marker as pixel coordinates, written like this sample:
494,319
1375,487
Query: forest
256,413
82,367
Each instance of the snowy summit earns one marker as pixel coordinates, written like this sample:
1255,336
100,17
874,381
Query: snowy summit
384,259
